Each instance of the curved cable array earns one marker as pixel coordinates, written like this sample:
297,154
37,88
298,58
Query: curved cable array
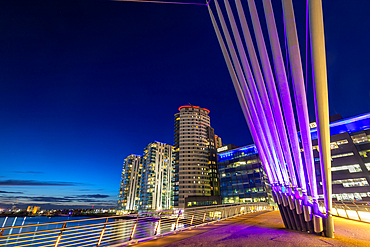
268,109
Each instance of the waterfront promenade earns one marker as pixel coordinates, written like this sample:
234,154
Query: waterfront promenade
264,229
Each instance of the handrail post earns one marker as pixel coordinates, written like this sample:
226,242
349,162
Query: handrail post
177,221
102,233
358,215
2,232
336,208
192,218
60,235
134,228
345,209
159,222
204,216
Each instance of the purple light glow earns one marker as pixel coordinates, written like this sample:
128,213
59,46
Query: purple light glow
256,99
284,92
270,82
299,93
257,114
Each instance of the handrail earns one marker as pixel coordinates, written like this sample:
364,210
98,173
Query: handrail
121,230
359,210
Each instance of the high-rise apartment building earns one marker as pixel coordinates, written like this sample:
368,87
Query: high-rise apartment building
128,193
155,191
195,166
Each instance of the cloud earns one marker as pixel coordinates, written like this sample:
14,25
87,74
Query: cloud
9,192
48,199
94,196
59,206
64,199
26,172
36,183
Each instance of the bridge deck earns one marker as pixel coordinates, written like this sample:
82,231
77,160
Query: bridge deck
264,229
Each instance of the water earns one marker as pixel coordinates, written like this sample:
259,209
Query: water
36,221
24,221
85,235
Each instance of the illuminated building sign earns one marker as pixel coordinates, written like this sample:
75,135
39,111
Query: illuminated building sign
240,152
224,148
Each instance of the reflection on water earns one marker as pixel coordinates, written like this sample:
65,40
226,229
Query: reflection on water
116,230
32,224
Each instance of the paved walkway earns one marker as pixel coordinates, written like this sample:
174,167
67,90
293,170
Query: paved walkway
264,229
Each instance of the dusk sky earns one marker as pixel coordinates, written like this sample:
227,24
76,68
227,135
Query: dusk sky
86,83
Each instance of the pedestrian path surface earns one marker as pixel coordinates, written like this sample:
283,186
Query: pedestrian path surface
264,229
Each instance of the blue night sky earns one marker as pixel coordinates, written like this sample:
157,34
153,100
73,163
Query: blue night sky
86,83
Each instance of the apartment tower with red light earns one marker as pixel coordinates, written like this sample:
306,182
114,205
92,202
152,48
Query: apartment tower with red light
195,175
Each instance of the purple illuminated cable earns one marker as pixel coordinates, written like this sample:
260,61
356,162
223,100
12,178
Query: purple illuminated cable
277,126
263,110
284,91
270,173
280,131
263,140
306,41
300,93
264,101
257,115
250,80
147,1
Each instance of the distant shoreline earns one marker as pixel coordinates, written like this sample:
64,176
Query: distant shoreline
57,215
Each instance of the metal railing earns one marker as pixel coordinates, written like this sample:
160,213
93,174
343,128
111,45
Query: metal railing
351,210
120,230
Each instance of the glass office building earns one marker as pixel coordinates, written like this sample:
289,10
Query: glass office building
242,176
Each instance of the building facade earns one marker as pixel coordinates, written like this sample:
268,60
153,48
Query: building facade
350,154
155,191
242,176
195,162
128,193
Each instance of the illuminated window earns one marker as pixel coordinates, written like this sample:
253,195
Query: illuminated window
341,142
365,154
333,145
360,138
356,182
367,166
342,155
352,168
255,161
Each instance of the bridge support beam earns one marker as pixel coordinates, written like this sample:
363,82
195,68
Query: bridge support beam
322,106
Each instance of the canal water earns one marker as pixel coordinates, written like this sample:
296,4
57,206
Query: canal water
36,221
120,232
